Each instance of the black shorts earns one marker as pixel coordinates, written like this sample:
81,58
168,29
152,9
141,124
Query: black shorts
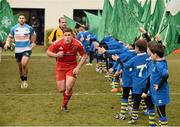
19,56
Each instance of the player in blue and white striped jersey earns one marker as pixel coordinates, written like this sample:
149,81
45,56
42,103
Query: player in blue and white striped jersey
24,37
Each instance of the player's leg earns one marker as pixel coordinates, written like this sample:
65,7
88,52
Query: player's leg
135,111
18,57
143,106
20,70
24,62
61,80
124,102
161,110
151,111
70,82
61,84
130,102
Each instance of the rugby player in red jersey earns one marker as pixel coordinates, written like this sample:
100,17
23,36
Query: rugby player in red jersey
65,50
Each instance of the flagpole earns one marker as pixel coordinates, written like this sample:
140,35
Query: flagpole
166,7
164,42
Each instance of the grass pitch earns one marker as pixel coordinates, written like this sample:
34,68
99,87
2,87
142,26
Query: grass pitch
91,105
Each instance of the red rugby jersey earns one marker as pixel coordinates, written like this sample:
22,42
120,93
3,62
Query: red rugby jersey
69,59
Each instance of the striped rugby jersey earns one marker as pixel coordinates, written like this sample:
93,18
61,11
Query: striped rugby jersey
21,35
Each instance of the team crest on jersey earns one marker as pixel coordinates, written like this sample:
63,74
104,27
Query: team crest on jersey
75,48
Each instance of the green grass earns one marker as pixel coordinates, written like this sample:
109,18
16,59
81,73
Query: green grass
91,105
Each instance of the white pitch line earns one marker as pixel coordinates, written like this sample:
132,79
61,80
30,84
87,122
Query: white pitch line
33,54
53,94
57,94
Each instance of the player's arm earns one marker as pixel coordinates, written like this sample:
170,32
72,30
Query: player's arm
33,39
9,38
164,78
102,50
56,55
80,64
7,44
147,88
145,34
83,55
82,60
52,51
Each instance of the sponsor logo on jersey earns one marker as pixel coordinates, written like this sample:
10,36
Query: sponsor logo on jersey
60,48
159,101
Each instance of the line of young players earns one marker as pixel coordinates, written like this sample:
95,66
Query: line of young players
87,39
144,72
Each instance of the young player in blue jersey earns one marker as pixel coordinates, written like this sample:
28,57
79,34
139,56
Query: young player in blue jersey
126,79
83,37
100,59
147,94
24,37
139,73
159,86
91,49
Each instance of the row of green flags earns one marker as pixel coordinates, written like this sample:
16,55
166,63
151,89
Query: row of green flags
7,19
124,18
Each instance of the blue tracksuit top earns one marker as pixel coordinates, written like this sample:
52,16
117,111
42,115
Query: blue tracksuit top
126,72
161,96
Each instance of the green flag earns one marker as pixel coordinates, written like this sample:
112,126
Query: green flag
156,17
93,22
115,19
177,22
145,5
170,33
105,20
136,9
177,26
6,19
129,25
147,13
70,22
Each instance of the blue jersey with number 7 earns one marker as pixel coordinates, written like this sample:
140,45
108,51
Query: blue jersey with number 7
139,71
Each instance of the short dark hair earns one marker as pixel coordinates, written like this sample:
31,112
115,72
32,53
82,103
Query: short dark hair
157,48
21,14
67,30
151,45
141,44
61,19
